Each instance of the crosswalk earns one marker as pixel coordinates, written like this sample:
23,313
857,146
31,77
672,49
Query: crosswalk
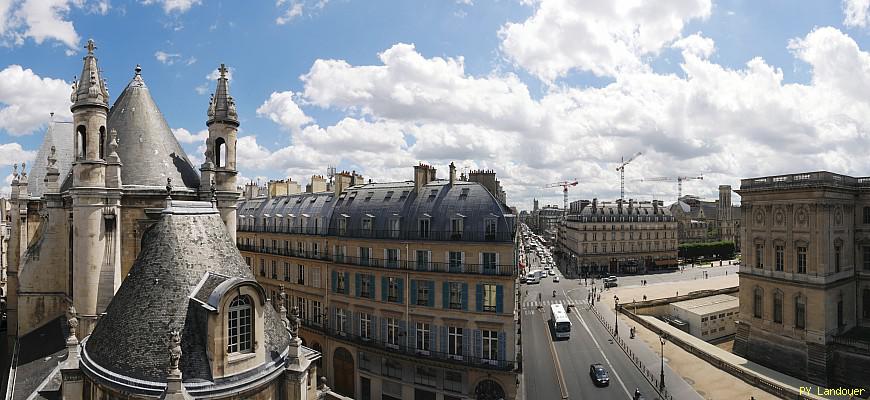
547,303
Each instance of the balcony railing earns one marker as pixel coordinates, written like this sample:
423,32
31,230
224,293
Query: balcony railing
405,265
467,360
401,234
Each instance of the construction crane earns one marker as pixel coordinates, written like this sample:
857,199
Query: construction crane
565,185
621,169
678,179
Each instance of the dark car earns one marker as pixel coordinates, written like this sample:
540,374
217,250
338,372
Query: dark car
599,375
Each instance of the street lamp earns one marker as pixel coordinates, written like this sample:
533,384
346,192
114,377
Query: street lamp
616,312
662,379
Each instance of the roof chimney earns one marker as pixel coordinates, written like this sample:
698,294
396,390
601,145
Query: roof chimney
452,174
421,176
594,204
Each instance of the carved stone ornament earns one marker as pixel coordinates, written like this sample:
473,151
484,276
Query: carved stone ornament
294,322
52,158
759,217
72,320
779,217
174,350
838,215
801,215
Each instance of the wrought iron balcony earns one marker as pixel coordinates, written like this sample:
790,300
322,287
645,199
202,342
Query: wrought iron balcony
394,234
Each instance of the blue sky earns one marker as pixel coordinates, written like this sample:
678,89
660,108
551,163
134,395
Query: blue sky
538,90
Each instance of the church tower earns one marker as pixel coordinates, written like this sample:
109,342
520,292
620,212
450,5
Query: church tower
219,172
96,272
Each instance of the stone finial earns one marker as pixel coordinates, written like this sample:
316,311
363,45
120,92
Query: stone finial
24,170
168,187
52,157
138,69
294,322
113,142
91,46
15,170
174,351
282,309
211,106
72,320
323,386
213,191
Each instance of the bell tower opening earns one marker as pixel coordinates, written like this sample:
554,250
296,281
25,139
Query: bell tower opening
102,142
81,142
220,152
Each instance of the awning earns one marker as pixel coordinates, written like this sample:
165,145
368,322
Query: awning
670,261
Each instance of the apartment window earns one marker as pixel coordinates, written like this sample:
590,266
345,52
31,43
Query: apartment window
423,229
423,293
779,257
759,255
758,303
801,260
365,325
240,325
490,229
866,302
392,258
341,321
867,215
366,290
456,295
248,261
339,254
777,307
342,226
455,261
800,312
490,345
836,258
367,225
452,382
422,260
392,369
423,337
300,274
454,342
489,297
274,270
866,251
340,284
393,332
315,249
262,267
456,228
317,316
394,228
489,263
286,272
426,376
364,255
393,289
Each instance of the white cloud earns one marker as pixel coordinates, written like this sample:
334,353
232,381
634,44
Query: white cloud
201,89
174,6
41,20
855,13
605,38
697,45
167,58
293,11
282,109
13,153
26,99
215,74
184,136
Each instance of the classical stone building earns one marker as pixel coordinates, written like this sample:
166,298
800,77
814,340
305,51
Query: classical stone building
615,238
805,276
700,221
124,279
407,288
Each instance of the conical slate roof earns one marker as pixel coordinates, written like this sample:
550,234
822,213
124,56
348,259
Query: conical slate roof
59,135
148,150
187,246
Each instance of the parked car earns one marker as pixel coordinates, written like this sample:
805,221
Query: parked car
556,278
599,375
610,281
552,272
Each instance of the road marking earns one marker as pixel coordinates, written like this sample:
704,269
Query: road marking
615,374
557,364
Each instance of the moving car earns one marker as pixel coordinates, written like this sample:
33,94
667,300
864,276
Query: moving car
610,281
556,278
599,375
551,272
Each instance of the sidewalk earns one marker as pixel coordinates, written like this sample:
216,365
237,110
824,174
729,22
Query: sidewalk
671,289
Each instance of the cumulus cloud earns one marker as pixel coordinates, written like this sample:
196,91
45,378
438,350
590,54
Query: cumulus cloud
293,9
26,99
215,74
697,45
43,20
184,136
174,6
855,12
166,58
604,38
282,109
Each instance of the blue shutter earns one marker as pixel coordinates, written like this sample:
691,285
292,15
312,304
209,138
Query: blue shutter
401,285
478,297
372,285
334,281
346,282
465,296
374,327
385,288
357,283
499,299
478,343
433,334
403,331
334,319
502,347
466,342
443,335
412,335
431,301
445,295
383,329
413,292
355,328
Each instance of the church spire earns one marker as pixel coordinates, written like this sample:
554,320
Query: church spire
90,88
222,107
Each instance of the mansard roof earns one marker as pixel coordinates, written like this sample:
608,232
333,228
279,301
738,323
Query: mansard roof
148,150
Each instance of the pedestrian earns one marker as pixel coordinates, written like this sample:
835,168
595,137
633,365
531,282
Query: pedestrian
678,293
644,297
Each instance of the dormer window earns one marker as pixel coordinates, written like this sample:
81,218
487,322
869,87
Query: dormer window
388,196
240,324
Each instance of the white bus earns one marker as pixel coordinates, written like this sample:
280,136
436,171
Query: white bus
534,276
561,324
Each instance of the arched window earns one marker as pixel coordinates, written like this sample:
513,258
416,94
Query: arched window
800,312
777,307
488,389
220,152
81,142
102,143
240,325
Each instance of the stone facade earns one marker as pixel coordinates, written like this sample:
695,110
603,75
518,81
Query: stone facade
700,221
805,276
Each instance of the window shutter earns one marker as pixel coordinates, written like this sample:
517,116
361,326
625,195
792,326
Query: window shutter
401,283
443,335
413,292
372,286
466,343
433,334
465,296
357,283
499,299
355,328
334,281
502,347
445,295
478,298
373,327
431,301
403,332
478,343
383,329
385,288
346,282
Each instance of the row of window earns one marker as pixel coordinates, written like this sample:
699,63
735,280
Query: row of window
714,317
423,375
644,246
367,224
640,235
454,295
800,307
705,333
779,258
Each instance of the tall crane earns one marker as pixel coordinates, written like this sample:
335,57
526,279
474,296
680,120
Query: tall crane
565,185
678,179
621,169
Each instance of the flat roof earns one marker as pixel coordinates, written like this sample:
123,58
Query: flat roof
709,304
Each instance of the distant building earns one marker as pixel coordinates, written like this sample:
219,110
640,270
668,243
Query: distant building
700,221
805,277
620,237
545,221
709,317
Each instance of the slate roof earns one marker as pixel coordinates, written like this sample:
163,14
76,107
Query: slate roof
609,210
60,135
39,353
178,252
148,150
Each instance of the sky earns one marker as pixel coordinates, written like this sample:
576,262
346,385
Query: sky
540,91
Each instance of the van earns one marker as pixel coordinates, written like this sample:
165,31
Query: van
610,281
